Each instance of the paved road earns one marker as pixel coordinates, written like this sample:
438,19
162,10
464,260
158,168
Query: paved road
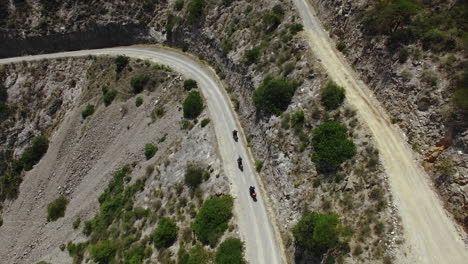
430,233
255,225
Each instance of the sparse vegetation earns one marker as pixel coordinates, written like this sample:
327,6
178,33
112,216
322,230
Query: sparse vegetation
190,84
274,95
331,145
460,96
198,255
150,150
87,111
258,165
332,95
298,119
165,234
56,209
212,219
76,223
192,105
230,251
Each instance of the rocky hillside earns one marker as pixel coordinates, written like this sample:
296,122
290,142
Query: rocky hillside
417,67
248,44
141,142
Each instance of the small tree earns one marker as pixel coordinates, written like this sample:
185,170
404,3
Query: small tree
150,150
332,146
192,105
165,234
190,84
138,83
317,233
274,95
56,209
332,95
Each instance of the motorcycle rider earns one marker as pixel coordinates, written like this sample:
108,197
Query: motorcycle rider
239,162
234,135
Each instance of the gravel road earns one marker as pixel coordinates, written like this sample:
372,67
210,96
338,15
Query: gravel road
431,234
255,220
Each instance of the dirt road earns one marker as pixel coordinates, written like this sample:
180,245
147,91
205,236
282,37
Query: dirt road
430,232
255,225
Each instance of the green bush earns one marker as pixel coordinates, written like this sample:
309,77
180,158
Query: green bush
193,175
274,95
212,219
182,256
198,255
195,10
103,252
272,20
298,119
258,165
192,105
179,4
165,234
252,55
87,111
136,254
204,122
76,223
33,154
109,96
341,46
56,209
150,150
190,84
230,251
332,146
138,83
332,95
138,101
121,62
317,233
295,28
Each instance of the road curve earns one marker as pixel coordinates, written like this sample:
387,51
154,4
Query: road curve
431,235
257,229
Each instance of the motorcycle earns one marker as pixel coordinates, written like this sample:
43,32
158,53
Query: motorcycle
234,135
239,164
252,193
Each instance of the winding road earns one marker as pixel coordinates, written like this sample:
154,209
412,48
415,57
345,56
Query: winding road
430,233
256,226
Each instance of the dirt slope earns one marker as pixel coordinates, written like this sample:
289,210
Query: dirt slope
431,235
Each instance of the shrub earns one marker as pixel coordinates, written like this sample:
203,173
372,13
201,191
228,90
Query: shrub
272,19
332,95
186,124
298,119
258,165
182,256
103,252
136,254
190,84
195,10
42,262
33,154
121,62
109,96
230,251
212,219
341,46
87,111
252,55
76,223
274,95
317,233
295,28
138,83
198,255
138,101
460,96
56,209
331,145
192,105
193,175
204,122
179,4
165,234
150,150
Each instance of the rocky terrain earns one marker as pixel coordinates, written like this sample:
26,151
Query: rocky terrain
223,33
416,84
85,153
